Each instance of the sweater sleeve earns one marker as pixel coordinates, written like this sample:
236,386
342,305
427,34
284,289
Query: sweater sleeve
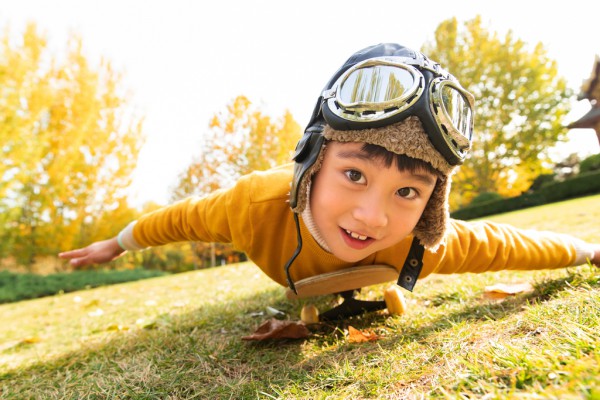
488,246
225,216
206,219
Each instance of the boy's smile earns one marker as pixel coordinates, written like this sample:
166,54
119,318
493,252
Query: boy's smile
360,206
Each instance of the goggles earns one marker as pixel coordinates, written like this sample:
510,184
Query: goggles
382,90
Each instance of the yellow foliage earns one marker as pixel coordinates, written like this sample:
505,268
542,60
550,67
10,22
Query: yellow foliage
68,146
241,140
520,101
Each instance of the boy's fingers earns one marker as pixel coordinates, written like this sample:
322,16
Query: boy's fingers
72,253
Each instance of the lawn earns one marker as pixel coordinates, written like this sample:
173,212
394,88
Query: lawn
179,337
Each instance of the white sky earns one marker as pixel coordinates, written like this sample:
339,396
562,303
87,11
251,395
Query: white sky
185,60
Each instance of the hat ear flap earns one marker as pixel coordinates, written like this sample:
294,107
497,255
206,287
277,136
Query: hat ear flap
431,227
303,181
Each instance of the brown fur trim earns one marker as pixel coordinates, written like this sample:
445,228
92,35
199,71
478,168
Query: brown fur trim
431,228
303,184
404,137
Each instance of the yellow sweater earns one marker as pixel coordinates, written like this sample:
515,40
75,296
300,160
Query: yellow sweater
256,218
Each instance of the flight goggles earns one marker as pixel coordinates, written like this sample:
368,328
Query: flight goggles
383,90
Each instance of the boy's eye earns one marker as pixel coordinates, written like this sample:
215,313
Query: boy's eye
407,193
354,175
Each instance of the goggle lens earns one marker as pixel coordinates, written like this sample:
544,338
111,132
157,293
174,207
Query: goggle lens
375,86
458,110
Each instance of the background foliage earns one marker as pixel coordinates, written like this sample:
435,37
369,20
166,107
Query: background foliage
520,106
69,140
68,145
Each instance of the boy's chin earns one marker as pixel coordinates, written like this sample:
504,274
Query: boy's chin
351,258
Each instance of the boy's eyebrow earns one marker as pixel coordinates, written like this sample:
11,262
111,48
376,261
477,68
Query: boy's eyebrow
427,179
424,178
360,154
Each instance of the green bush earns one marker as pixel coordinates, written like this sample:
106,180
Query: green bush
580,185
485,197
591,163
16,287
541,181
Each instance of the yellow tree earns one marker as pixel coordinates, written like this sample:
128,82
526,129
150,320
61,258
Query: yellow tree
240,140
67,142
520,99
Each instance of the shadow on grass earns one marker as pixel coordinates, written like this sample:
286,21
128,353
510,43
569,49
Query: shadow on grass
201,354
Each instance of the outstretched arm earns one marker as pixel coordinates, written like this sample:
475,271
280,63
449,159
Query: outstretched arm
96,253
596,258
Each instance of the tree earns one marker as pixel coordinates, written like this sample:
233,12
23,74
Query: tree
68,145
239,141
520,105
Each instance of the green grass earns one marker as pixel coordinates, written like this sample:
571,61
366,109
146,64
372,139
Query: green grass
179,337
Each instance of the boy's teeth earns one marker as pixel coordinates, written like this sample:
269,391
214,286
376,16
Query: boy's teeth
356,235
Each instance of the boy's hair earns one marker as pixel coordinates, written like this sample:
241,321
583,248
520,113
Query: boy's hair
402,161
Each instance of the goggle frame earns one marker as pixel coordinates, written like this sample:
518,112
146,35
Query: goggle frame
452,142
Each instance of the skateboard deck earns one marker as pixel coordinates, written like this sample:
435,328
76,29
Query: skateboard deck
342,281
345,283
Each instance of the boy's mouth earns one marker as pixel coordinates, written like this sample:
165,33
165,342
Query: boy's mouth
356,240
355,235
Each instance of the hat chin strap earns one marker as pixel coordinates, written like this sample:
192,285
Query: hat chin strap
408,275
289,263
412,266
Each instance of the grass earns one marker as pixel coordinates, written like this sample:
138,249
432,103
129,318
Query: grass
179,336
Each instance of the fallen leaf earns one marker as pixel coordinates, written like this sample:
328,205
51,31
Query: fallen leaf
31,340
118,328
503,290
358,336
277,329
275,313
96,313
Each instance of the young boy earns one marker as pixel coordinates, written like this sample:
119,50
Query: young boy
369,185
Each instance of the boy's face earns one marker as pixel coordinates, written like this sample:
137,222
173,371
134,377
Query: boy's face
360,206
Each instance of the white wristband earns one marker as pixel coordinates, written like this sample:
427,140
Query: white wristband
126,240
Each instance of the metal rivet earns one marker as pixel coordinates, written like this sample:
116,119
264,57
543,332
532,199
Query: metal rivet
407,278
413,262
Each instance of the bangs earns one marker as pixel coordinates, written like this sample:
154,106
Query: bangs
402,161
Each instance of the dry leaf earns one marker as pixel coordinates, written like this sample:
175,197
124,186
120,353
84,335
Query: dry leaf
118,328
503,290
31,340
358,336
277,329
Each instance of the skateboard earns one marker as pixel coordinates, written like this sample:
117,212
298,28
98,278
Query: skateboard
347,283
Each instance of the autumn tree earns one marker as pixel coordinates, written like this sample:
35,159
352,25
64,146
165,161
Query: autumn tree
520,105
240,140
68,145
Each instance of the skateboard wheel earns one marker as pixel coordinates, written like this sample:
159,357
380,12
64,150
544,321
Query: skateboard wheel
394,300
309,314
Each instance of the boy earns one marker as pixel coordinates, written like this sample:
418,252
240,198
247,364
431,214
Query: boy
369,185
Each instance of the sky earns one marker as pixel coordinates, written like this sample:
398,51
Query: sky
185,60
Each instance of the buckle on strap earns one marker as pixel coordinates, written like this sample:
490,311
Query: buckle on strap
412,266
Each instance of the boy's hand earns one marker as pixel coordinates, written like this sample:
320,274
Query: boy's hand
95,253
596,259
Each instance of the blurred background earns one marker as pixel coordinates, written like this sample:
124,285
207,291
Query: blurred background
112,108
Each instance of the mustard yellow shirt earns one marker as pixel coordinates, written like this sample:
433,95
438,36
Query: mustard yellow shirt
256,218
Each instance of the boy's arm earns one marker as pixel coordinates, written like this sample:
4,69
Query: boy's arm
103,251
489,246
596,258
96,253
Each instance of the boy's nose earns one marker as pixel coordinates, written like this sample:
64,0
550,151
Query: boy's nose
372,213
